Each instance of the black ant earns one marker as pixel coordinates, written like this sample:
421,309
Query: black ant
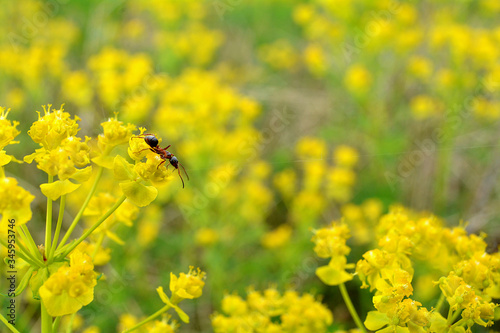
152,141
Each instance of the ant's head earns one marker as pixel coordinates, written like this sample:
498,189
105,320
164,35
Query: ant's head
151,140
174,161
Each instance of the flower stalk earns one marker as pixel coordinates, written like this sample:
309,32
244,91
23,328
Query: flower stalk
350,307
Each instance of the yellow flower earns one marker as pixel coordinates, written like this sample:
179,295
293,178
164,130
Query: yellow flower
420,67
206,236
423,106
76,88
51,129
345,156
331,241
303,13
70,287
358,79
309,147
102,257
138,193
271,312
114,133
285,182
92,329
14,202
277,237
315,60
188,285
279,55
8,132
234,305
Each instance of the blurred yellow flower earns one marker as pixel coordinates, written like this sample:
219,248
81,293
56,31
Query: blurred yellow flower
277,237
316,60
309,147
420,67
345,156
358,79
279,55
423,107
206,236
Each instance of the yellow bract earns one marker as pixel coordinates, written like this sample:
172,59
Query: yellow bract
70,287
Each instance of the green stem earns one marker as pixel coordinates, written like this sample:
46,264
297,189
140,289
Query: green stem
148,319
48,221
458,323
69,329
95,226
97,245
25,253
453,317
440,302
82,209
350,307
10,326
46,320
62,203
55,324
28,239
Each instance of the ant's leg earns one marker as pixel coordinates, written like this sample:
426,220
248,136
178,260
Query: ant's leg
184,170
141,136
179,171
163,161
140,151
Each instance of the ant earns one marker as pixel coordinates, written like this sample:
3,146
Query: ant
152,141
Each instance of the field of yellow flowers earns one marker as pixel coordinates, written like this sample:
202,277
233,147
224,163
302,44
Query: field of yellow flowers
250,166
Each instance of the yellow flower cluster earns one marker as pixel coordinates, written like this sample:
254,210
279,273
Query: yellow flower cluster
362,218
331,243
62,153
14,201
321,182
269,311
469,277
431,47
70,287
